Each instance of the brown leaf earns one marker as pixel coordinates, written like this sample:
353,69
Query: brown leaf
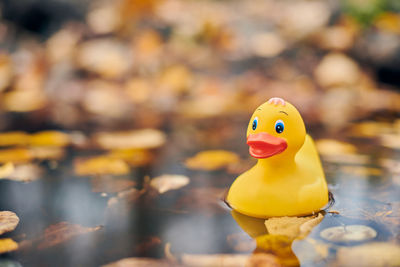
62,232
7,245
110,184
100,165
47,153
136,139
211,160
168,182
8,221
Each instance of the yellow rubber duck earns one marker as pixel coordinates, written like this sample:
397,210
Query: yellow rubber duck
288,179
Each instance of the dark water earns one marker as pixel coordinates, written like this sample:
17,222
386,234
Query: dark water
193,219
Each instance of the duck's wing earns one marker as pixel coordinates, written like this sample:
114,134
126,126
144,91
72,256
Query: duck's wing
308,152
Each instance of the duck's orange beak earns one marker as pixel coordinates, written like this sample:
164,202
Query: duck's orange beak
263,145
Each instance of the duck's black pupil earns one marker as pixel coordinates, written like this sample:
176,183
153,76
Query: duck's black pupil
279,128
254,125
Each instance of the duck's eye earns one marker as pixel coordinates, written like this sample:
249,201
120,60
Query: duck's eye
255,123
279,126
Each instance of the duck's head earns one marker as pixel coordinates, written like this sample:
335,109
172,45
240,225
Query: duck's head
276,127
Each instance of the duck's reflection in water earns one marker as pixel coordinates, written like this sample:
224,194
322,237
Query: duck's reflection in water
276,235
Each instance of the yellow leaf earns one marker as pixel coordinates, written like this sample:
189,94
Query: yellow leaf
211,160
15,155
167,182
333,147
7,245
134,157
101,165
14,139
138,139
49,138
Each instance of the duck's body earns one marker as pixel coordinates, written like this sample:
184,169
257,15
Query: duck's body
290,182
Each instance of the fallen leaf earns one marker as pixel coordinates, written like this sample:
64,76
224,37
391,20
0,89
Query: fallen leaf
169,182
370,129
139,262
390,140
47,152
6,71
263,260
15,155
14,139
212,160
134,157
348,233
175,79
361,171
7,245
24,100
100,165
8,221
372,254
106,57
49,138
62,232
292,227
6,170
110,184
26,173
337,69
138,139
329,147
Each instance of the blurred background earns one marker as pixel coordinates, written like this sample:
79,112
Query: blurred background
85,64
122,124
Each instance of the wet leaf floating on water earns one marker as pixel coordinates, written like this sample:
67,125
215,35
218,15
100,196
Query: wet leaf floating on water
348,233
292,227
7,245
139,262
49,138
329,147
14,139
100,165
47,152
212,160
110,184
373,254
6,170
26,173
15,155
8,221
370,129
169,182
24,100
390,140
134,157
361,171
136,139
62,232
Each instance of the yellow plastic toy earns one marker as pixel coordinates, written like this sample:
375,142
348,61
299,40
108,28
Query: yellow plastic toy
288,179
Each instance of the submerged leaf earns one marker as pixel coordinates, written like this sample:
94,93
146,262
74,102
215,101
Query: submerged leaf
110,184
211,160
61,232
169,182
8,221
348,233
